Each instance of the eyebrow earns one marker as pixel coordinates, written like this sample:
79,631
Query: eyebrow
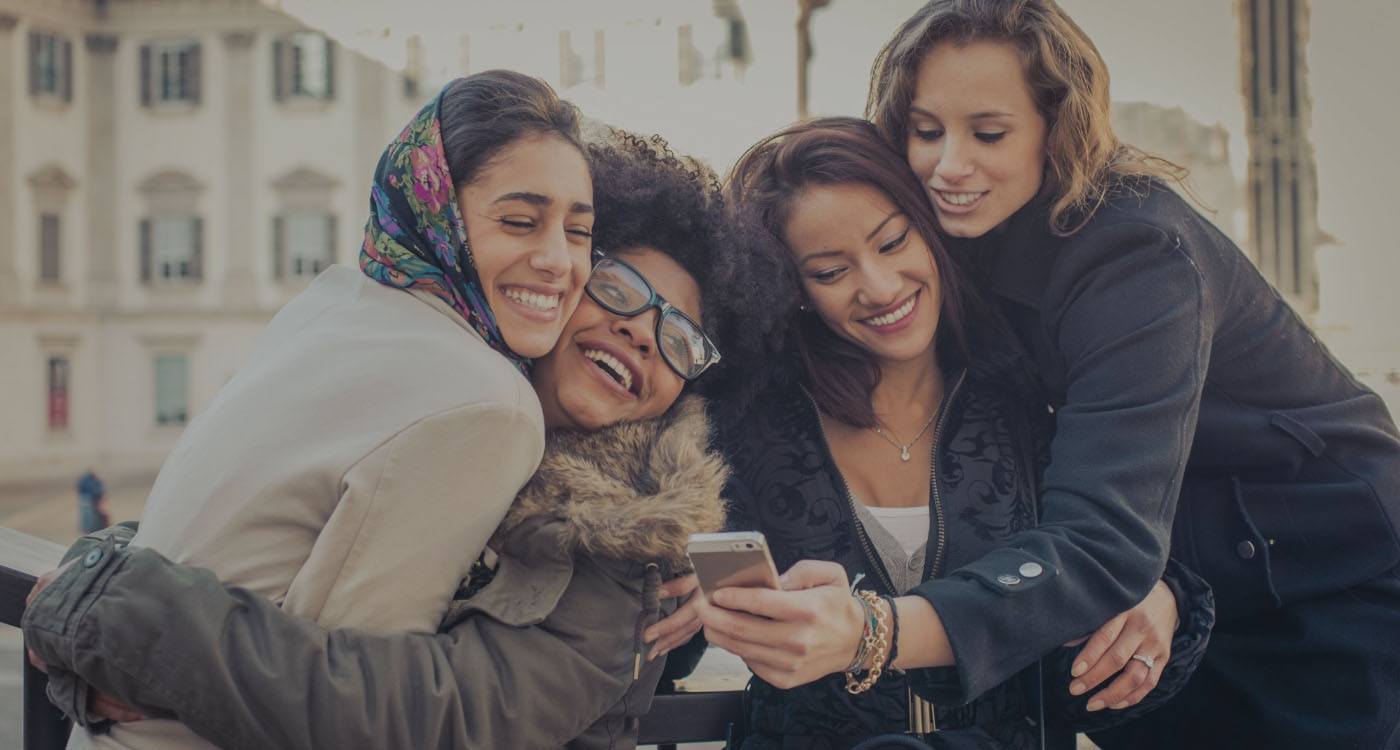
974,116
881,225
868,237
538,199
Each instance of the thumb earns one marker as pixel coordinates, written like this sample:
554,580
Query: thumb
807,574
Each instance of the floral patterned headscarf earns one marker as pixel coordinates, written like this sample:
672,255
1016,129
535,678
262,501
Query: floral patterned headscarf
415,237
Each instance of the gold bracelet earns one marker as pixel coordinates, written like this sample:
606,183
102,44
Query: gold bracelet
878,644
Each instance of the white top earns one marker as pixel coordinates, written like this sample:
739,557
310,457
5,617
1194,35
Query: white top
908,526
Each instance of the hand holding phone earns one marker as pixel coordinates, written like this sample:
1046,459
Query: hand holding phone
732,559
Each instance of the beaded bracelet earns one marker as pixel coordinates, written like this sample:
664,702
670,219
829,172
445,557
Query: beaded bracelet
877,640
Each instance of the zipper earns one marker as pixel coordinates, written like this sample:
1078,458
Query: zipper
873,560
931,569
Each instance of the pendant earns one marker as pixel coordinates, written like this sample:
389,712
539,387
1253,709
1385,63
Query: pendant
904,453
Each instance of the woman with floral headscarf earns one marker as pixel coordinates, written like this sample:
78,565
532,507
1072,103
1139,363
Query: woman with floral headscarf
384,422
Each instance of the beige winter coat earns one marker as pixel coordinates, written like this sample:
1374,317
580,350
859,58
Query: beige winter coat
351,472
544,654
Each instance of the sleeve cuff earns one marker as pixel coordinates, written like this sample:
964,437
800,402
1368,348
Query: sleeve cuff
51,621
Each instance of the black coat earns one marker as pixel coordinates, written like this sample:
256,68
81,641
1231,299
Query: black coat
785,484
1176,370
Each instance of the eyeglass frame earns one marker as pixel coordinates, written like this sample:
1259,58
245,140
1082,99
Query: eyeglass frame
654,300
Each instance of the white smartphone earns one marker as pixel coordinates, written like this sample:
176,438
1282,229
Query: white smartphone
731,559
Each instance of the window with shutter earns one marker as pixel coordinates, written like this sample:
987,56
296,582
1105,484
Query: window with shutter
304,67
307,243
50,272
50,66
58,393
172,389
171,249
170,73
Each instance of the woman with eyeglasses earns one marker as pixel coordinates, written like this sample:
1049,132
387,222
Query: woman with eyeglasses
541,646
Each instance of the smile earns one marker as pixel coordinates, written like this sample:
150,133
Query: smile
894,316
533,300
957,202
612,367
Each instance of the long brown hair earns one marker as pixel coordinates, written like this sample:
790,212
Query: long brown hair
1068,82
766,182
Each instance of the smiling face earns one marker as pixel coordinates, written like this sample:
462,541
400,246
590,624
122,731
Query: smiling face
976,139
529,218
866,271
606,368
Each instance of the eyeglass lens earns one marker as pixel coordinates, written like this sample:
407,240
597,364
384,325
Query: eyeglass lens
622,290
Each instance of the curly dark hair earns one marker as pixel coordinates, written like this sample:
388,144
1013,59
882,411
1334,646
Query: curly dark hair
645,195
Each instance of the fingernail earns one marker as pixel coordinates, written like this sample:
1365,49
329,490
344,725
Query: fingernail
1094,705
651,654
1079,669
1120,705
1076,688
720,597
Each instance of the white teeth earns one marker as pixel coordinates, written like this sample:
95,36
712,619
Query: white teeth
545,302
960,199
613,364
892,317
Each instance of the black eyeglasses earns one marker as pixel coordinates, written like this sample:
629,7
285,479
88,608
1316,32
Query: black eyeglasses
622,290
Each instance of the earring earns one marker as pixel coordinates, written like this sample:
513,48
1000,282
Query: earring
803,307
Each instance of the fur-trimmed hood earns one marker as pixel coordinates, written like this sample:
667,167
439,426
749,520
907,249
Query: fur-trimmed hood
633,491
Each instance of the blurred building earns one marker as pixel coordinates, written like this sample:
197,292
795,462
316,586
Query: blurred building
170,174
173,171
1204,150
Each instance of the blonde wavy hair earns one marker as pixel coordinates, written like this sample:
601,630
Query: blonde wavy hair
1068,82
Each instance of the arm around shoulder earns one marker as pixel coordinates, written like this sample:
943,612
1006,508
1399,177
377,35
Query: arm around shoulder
413,516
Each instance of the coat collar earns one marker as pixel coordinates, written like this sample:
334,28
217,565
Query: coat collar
1014,260
634,491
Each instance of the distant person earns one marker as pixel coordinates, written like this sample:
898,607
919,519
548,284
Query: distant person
92,506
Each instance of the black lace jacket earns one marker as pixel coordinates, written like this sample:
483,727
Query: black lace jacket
988,451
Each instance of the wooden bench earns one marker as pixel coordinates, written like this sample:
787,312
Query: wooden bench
674,719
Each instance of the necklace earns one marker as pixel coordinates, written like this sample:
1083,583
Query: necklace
904,447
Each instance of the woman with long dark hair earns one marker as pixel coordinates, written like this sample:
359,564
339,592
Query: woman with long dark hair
898,460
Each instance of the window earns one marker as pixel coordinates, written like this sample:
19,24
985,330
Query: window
303,244
50,66
172,249
58,393
304,67
172,387
170,73
50,270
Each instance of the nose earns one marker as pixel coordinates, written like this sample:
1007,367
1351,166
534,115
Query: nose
639,330
955,163
552,257
880,286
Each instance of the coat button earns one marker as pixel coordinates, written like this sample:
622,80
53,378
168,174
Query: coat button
1245,550
92,558
913,564
1007,579
1031,569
